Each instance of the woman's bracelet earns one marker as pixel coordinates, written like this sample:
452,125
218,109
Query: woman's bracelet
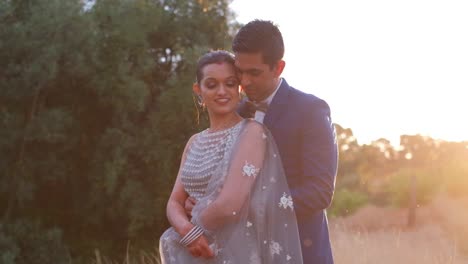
191,236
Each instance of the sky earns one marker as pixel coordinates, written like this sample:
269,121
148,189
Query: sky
386,68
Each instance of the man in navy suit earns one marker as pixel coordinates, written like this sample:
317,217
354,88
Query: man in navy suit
301,126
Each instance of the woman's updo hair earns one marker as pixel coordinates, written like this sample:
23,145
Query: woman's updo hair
216,56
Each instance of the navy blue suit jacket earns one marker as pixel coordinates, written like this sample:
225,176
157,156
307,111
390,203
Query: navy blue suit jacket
304,133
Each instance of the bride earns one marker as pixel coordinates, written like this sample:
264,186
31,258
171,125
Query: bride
244,212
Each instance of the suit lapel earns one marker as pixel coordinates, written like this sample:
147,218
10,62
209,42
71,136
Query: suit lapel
277,105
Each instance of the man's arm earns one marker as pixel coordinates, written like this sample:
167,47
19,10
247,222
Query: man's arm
188,206
319,163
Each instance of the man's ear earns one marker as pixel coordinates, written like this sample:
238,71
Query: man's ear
279,68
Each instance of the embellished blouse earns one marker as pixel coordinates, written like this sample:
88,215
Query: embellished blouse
203,156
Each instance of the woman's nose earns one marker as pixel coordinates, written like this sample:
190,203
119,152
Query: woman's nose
222,89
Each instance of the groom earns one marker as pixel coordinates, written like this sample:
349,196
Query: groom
301,126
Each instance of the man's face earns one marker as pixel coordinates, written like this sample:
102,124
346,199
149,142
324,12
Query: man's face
258,80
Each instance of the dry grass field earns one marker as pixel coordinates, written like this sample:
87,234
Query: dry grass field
380,235
374,235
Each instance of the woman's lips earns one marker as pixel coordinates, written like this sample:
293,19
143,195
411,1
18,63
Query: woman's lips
222,101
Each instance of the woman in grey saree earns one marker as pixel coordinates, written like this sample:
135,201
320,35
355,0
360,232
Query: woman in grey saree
244,211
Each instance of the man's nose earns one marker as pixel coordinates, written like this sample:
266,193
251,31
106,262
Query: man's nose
245,80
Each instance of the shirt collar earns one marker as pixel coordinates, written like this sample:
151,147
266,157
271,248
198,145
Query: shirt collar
270,98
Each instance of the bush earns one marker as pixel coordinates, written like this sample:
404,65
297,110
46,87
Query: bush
427,182
346,202
455,178
24,242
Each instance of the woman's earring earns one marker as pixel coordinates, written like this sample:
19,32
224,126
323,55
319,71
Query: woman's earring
200,100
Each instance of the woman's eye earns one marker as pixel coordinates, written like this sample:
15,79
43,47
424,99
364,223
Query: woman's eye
232,84
211,85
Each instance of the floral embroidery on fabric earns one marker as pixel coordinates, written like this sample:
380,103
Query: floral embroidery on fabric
249,224
286,201
288,258
254,258
215,249
250,170
275,248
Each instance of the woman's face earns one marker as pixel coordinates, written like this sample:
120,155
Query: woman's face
219,88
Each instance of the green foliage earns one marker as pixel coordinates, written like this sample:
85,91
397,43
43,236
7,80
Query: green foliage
26,242
383,173
427,184
454,177
346,202
95,109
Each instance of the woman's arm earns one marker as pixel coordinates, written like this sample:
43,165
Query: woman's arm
245,164
178,218
175,206
175,210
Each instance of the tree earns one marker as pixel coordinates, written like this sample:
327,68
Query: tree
95,108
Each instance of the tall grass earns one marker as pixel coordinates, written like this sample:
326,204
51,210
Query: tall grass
141,258
422,245
380,235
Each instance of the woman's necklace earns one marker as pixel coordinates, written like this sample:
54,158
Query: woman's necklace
226,124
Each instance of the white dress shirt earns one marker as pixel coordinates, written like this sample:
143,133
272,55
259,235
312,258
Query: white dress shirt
259,115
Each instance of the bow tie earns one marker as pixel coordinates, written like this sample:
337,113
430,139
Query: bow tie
252,107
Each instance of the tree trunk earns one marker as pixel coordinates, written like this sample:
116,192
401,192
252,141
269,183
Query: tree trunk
412,202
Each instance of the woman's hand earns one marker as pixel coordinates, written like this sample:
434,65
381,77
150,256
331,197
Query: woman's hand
200,248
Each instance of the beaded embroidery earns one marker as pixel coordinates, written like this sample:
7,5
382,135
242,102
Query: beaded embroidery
203,156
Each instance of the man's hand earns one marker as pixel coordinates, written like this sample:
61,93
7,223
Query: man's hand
189,204
200,248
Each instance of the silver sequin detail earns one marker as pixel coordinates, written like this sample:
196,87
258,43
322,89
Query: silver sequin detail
203,156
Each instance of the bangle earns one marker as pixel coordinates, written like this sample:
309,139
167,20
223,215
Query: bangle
191,236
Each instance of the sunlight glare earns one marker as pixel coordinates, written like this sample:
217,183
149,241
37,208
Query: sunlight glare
385,68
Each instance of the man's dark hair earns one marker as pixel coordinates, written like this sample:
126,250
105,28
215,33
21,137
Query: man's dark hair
260,36
216,56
